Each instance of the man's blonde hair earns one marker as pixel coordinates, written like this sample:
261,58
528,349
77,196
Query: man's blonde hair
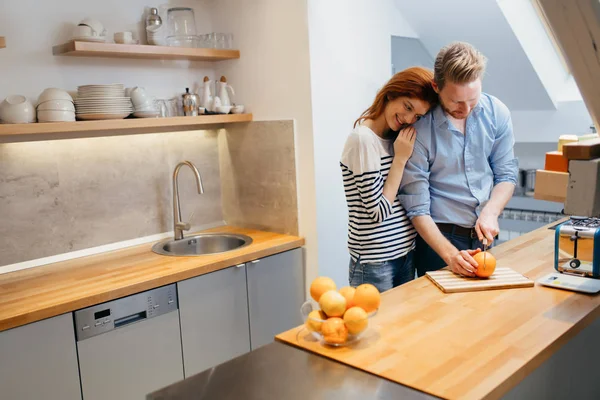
458,62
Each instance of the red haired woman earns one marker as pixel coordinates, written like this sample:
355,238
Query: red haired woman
380,235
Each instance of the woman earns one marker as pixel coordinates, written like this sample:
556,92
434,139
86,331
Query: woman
380,235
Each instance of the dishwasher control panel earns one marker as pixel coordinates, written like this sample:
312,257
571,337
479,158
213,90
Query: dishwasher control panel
118,313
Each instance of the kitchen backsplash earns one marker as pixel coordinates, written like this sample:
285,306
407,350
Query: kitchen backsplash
258,173
66,195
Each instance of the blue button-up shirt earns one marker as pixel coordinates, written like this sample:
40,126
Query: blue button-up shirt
450,175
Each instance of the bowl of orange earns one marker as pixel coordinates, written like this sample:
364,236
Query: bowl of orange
339,318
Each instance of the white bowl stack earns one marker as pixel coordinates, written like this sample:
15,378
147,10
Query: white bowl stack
55,105
95,102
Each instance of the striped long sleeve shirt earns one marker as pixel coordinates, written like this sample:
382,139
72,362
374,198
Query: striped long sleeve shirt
377,229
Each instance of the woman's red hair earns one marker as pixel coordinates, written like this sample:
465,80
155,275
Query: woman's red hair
413,82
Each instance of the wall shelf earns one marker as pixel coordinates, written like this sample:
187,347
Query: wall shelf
2,42
78,129
113,50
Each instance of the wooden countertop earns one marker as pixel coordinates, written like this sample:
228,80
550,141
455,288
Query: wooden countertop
42,292
468,345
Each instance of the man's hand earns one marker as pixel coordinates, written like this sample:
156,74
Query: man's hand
487,226
463,263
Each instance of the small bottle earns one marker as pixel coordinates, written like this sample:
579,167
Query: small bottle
190,103
153,20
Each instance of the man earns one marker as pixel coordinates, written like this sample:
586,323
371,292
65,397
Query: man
462,171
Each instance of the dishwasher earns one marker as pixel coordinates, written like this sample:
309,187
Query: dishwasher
131,346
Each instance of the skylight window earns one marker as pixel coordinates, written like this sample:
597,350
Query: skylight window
537,40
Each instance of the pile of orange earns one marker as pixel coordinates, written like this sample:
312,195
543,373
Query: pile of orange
342,313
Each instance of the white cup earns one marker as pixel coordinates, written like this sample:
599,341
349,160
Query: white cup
97,27
123,37
82,30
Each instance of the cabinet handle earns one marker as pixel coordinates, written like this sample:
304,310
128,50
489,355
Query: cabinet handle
240,265
255,261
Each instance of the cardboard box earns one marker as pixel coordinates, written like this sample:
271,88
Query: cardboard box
556,162
583,192
551,185
586,150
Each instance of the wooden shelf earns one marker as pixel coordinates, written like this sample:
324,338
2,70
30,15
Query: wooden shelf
2,42
113,50
129,126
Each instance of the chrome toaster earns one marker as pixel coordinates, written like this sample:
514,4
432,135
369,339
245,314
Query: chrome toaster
577,247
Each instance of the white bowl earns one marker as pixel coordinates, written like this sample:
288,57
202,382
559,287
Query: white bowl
55,116
54,94
16,109
223,109
239,109
56,105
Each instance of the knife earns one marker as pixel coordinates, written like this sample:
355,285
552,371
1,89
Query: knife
484,241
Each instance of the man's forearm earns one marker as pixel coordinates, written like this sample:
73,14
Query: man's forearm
429,231
500,196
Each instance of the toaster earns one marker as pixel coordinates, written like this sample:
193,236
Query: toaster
577,247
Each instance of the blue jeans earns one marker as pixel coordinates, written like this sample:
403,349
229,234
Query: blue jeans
383,275
426,259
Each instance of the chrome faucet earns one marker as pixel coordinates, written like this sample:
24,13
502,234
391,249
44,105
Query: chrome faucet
178,225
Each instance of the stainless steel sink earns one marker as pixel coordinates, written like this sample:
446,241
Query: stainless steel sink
202,244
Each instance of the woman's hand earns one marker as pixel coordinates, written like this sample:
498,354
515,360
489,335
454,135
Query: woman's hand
404,143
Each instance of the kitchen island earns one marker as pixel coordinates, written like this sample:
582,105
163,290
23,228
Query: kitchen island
279,371
525,343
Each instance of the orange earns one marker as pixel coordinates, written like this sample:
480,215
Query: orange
490,264
315,320
321,285
333,304
356,320
367,297
348,293
334,331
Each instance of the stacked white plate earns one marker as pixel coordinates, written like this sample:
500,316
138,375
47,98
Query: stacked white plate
96,102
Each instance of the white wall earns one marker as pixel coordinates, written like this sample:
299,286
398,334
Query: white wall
272,78
350,58
408,52
570,117
32,27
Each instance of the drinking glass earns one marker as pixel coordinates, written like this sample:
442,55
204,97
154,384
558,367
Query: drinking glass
181,21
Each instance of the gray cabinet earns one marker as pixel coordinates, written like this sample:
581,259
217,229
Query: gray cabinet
275,295
214,318
39,361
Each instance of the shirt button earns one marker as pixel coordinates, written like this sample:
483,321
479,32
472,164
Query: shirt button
468,169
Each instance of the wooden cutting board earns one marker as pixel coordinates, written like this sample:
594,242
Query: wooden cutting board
503,278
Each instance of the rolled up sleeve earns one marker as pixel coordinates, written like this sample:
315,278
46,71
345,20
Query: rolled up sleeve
414,188
502,160
370,188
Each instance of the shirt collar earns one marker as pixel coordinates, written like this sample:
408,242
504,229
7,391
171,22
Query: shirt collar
439,116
